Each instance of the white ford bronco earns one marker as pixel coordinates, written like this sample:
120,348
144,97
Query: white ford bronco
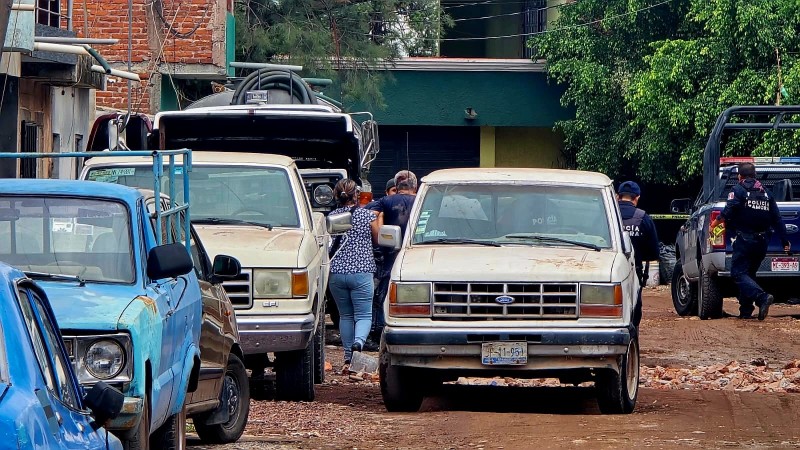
511,272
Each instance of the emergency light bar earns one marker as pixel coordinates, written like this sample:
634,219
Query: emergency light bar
730,160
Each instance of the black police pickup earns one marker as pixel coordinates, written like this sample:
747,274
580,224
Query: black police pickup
702,274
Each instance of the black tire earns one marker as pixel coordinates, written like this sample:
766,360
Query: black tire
238,390
684,293
138,438
318,342
617,391
400,390
294,375
171,435
710,297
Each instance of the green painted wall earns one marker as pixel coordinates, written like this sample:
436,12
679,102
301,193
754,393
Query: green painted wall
507,21
522,99
230,41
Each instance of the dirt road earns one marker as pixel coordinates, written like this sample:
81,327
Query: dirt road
350,414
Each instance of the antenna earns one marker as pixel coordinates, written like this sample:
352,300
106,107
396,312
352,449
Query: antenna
408,159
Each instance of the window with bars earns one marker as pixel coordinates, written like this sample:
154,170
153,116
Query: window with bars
48,12
30,144
534,20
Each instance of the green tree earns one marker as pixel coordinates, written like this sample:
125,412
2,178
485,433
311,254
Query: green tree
347,40
648,78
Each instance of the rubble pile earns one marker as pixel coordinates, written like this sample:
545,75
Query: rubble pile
756,376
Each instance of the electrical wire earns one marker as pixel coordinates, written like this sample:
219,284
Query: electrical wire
160,13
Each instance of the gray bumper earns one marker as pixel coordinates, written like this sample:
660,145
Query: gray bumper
265,334
548,349
720,263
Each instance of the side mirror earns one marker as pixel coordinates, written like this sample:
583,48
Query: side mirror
627,244
104,401
390,236
225,268
168,261
680,206
339,223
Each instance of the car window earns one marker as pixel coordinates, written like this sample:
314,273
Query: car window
37,341
87,238
504,213
66,388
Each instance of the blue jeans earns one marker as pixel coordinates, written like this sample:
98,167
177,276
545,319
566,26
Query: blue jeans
748,252
353,295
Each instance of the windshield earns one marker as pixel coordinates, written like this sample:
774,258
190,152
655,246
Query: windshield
219,194
513,215
84,238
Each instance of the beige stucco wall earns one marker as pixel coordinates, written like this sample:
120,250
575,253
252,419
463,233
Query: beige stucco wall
520,147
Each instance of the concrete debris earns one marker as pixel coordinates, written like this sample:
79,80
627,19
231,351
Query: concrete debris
757,376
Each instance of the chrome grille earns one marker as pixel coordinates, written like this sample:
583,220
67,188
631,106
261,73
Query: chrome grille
477,301
238,290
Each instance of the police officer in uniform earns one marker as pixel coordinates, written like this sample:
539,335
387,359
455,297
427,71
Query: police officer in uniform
749,214
643,235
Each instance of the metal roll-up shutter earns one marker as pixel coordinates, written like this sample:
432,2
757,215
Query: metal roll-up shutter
429,149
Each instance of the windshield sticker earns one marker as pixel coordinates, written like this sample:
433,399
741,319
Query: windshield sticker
422,223
435,233
62,225
111,174
82,229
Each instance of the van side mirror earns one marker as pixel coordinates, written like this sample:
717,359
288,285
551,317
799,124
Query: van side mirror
104,401
680,206
225,268
390,236
168,261
339,223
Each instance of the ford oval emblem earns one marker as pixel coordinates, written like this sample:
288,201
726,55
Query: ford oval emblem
791,228
504,300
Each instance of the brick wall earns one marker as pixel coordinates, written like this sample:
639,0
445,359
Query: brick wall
188,36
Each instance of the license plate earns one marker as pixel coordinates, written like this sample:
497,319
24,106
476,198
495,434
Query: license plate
504,353
785,265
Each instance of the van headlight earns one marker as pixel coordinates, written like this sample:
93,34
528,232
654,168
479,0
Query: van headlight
601,294
105,359
272,283
410,293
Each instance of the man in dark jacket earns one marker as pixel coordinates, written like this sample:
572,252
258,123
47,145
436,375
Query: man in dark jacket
749,214
643,235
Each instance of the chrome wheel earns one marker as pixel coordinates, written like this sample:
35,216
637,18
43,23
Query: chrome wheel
632,370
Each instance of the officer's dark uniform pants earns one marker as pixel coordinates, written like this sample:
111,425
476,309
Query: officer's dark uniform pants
381,288
748,252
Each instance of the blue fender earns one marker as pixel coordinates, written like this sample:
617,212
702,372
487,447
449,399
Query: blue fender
191,358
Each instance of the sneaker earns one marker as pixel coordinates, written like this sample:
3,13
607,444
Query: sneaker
763,309
357,346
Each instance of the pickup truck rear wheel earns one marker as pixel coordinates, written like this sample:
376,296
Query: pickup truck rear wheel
684,293
401,391
171,435
710,298
294,374
617,391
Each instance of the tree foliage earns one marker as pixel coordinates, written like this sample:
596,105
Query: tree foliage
347,40
648,79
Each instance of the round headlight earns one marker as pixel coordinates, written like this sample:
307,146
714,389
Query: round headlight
105,359
323,194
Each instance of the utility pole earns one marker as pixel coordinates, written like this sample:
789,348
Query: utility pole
780,80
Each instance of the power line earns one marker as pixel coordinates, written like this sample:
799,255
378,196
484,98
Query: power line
555,29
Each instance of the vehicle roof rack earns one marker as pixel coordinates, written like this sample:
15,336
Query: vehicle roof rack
171,214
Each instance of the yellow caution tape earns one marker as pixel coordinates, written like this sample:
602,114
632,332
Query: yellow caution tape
669,216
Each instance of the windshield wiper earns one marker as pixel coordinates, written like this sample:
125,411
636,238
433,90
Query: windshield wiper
540,237
56,276
221,221
459,241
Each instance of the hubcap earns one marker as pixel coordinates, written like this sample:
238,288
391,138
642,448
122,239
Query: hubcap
683,290
632,370
232,388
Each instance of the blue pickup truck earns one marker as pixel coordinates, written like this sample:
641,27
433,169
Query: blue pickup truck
702,275
123,288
